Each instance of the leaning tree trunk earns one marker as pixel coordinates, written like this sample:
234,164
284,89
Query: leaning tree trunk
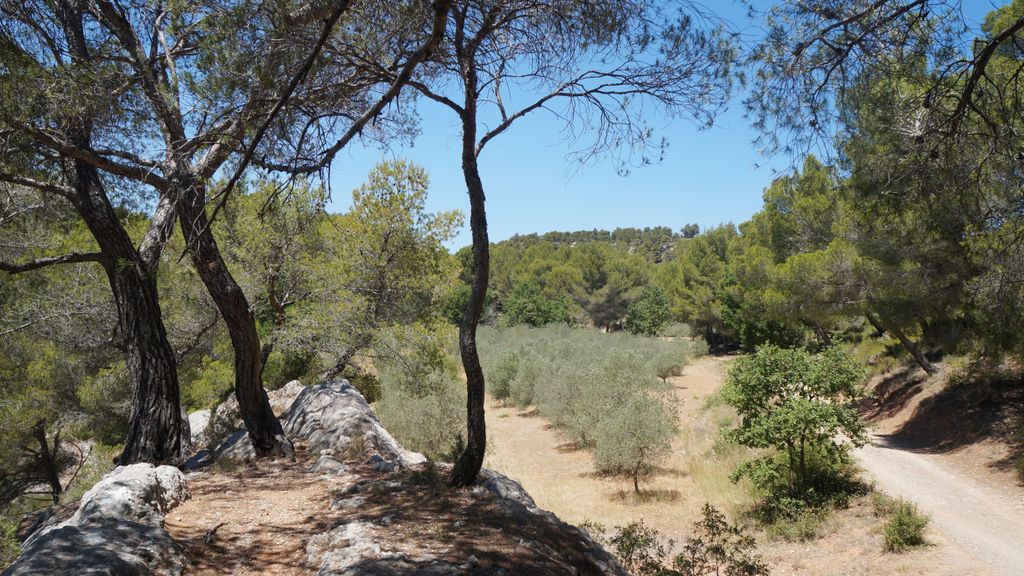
156,430
268,438
472,458
907,343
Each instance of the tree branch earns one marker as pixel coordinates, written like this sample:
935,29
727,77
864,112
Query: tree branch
979,64
72,258
65,191
441,9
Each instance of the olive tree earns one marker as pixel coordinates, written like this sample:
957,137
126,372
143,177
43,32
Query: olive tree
636,437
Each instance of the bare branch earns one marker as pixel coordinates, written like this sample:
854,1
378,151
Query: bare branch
74,257
58,189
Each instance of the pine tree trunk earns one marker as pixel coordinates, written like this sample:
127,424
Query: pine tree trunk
908,344
157,429
472,458
268,438
48,461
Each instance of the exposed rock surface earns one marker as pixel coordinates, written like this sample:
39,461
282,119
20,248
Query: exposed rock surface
226,420
333,419
494,529
117,529
198,422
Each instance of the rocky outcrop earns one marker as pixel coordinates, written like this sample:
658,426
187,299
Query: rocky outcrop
334,420
227,419
198,423
117,529
494,529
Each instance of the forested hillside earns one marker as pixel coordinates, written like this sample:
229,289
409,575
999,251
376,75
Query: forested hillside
829,256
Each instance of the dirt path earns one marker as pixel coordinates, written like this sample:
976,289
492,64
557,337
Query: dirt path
252,522
982,519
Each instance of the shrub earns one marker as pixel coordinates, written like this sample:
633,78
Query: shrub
905,527
499,381
639,550
427,420
635,437
209,384
1019,467
716,548
797,405
283,366
105,399
801,524
9,547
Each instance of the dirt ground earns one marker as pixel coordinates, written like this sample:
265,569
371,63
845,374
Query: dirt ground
259,520
253,521
562,480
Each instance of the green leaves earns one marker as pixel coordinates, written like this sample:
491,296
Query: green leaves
647,315
799,405
526,305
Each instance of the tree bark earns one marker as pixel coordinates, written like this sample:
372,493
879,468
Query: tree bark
907,343
268,438
345,359
48,460
472,458
157,431
824,338
879,330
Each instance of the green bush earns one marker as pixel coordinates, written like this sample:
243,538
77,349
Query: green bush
715,548
801,524
283,366
428,423
797,405
209,383
499,380
905,527
366,383
1019,467
105,400
9,547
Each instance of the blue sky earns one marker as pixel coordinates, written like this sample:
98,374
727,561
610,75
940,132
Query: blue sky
710,176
